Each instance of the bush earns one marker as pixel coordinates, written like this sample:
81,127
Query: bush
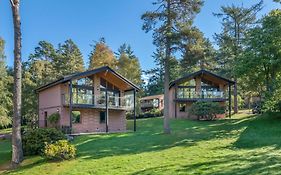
54,118
206,110
148,114
60,150
34,139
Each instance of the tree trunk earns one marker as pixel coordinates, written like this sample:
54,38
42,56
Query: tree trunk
17,153
167,129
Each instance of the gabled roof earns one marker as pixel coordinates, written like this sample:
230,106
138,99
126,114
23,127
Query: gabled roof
198,73
84,74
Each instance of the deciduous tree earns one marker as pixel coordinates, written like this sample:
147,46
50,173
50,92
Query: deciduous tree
101,55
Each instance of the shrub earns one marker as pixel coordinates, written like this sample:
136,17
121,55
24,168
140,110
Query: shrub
148,114
60,150
54,118
34,139
206,110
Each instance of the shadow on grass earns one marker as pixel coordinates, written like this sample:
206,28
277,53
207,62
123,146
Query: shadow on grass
250,132
248,163
149,137
264,130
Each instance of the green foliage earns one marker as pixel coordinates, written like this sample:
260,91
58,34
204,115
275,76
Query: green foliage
47,64
60,150
5,90
76,117
54,118
34,139
206,110
260,63
101,55
198,52
68,59
148,114
128,64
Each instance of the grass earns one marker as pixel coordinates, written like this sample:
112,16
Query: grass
242,145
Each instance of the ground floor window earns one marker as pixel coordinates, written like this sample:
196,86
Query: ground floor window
76,117
45,118
182,107
102,116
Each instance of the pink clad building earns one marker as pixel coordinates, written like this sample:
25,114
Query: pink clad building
91,101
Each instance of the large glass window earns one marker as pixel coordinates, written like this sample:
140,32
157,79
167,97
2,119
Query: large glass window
112,91
83,91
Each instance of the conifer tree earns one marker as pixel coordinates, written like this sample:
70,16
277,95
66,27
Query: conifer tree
166,22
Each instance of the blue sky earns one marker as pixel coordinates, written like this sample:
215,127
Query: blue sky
86,21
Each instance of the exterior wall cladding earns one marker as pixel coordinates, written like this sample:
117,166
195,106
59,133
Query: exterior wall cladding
174,106
51,101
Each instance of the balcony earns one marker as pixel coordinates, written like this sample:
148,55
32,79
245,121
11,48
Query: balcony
99,101
203,95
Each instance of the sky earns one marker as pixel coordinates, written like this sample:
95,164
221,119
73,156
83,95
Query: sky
86,21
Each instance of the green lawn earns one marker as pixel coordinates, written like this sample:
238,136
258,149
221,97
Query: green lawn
241,145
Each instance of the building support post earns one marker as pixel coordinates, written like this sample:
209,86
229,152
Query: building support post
229,100
70,106
135,117
106,110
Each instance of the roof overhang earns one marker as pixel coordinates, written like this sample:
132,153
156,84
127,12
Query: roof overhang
202,72
106,69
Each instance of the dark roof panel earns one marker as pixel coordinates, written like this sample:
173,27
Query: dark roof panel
86,73
200,72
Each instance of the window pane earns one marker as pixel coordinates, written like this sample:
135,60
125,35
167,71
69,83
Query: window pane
76,117
102,117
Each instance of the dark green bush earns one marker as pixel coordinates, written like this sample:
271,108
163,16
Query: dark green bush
54,118
60,150
148,114
34,139
206,110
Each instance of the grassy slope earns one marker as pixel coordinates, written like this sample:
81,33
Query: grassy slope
242,145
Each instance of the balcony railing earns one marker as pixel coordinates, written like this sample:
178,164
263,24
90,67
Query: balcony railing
202,95
99,101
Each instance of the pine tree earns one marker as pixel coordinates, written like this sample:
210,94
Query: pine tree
68,59
128,64
41,65
5,93
17,152
101,55
166,23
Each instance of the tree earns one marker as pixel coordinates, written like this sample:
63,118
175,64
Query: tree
128,64
236,21
260,61
198,52
42,64
17,153
166,23
68,59
5,93
101,55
